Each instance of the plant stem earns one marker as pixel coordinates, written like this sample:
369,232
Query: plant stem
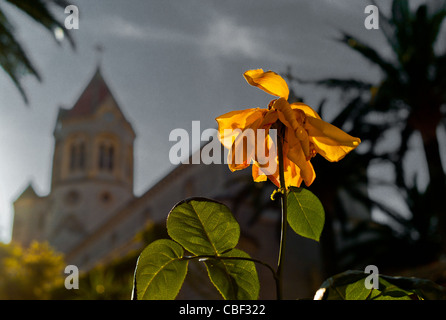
206,257
284,225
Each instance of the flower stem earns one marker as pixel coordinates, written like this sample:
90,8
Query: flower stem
207,257
284,217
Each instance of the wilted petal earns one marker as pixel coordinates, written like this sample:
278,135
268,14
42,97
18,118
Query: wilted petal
306,109
274,179
243,149
265,152
286,114
294,119
296,154
270,117
268,81
266,172
330,141
292,173
257,175
265,163
228,123
260,173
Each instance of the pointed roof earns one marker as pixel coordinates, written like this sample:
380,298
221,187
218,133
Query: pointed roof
88,103
29,192
90,99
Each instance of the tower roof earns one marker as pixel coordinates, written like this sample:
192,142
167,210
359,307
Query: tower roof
29,192
91,98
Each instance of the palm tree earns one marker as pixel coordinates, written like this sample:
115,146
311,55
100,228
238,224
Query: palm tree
13,58
411,95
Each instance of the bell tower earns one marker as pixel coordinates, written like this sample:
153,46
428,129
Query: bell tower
92,174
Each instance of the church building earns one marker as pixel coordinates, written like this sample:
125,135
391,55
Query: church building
92,173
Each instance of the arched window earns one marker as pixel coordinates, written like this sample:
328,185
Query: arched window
101,163
77,155
111,157
106,156
81,155
73,157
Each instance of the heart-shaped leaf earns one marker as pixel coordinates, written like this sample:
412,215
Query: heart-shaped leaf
203,226
160,271
234,279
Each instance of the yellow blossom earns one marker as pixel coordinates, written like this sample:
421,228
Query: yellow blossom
306,134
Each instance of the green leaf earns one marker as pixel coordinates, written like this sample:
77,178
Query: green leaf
357,291
423,288
160,271
390,291
203,226
234,279
350,285
306,214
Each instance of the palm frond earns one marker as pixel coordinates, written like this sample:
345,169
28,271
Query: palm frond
369,53
39,11
13,59
343,84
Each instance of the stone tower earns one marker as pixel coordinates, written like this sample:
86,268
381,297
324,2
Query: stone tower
92,173
29,218
92,166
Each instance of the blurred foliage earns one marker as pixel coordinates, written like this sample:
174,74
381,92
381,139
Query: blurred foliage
29,273
408,100
112,280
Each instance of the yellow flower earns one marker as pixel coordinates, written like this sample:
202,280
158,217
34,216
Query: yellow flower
306,135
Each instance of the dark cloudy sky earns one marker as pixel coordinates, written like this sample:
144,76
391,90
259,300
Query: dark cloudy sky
168,63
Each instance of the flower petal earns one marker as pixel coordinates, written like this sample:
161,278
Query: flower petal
261,173
292,174
305,108
228,123
265,150
294,119
270,117
243,149
265,163
257,175
296,154
268,81
291,170
330,141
